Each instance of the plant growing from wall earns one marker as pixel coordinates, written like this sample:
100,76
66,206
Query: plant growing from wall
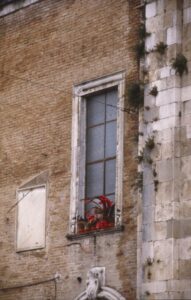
135,94
143,32
179,64
139,181
150,144
156,183
140,47
160,48
100,215
140,157
154,91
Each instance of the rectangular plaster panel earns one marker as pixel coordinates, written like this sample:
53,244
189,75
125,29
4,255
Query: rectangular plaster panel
31,218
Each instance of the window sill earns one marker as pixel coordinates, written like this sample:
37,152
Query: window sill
11,6
78,236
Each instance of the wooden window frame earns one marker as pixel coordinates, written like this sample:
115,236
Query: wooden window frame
79,144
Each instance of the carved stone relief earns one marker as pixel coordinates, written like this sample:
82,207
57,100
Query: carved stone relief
96,289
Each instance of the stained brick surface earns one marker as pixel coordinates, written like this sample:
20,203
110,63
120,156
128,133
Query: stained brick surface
46,48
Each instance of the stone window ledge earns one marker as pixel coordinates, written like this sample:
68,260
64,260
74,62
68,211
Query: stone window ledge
10,6
96,233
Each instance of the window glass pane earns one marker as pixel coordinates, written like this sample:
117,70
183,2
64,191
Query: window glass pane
110,172
95,109
94,180
111,197
111,105
95,143
110,139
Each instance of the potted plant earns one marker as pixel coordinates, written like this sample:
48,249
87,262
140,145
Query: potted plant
99,216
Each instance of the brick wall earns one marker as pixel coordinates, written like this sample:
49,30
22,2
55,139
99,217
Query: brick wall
46,48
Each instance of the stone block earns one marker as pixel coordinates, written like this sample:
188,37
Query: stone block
188,132
164,136
186,93
178,228
168,19
150,10
154,287
184,269
185,248
147,175
173,35
177,18
186,120
187,3
187,15
160,231
178,285
161,84
173,81
165,123
186,190
174,296
163,253
187,106
164,170
168,110
185,147
186,295
154,24
156,152
154,232
167,150
186,167
172,5
149,100
185,209
150,42
148,232
148,195
147,252
160,7
168,96
164,212
148,214
151,114
165,193
165,72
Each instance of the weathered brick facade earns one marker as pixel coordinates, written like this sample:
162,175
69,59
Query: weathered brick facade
47,48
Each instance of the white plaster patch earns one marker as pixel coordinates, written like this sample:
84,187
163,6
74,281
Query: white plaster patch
151,10
187,15
173,36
